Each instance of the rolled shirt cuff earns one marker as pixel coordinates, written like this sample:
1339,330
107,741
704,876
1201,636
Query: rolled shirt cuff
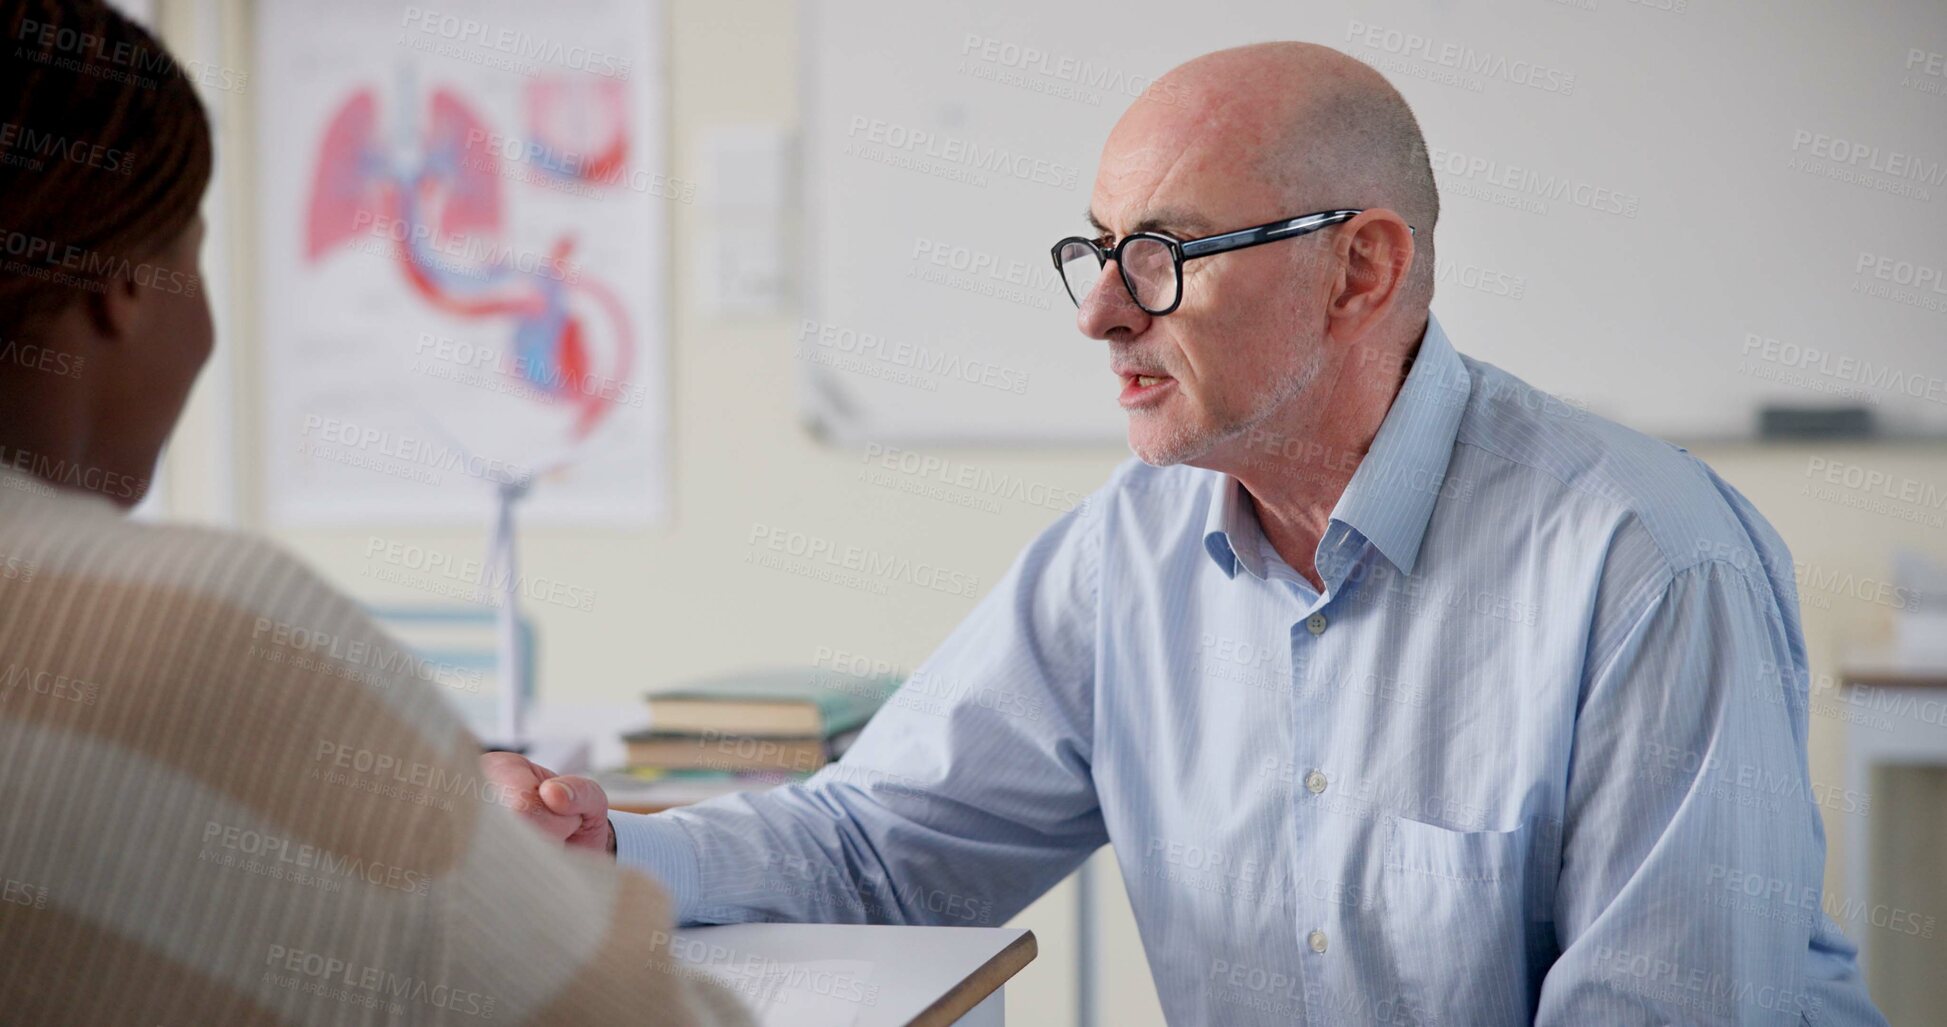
661,847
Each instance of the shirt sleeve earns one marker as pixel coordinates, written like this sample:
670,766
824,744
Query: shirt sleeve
966,797
1692,850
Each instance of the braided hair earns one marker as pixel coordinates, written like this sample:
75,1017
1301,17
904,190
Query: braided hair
105,152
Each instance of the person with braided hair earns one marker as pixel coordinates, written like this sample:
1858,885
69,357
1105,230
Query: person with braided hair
104,156
227,796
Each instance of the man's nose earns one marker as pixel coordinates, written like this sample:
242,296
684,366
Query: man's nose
1108,306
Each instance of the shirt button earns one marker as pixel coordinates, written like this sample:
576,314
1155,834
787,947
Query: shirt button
1315,782
1317,941
1316,624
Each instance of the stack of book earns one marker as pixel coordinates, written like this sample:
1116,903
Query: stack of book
743,732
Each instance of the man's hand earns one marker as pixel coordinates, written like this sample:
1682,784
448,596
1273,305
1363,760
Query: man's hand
570,810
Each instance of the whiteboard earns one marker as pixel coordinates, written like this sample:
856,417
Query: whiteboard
1670,212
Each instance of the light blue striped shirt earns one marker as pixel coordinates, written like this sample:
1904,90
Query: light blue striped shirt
1536,752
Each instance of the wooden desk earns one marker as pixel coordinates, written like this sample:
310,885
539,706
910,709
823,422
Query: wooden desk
814,975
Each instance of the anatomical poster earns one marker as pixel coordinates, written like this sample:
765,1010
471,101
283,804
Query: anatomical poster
463,218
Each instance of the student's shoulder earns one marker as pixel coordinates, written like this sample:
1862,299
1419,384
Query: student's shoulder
174,609
119,574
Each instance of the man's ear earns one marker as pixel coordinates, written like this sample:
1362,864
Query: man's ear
1375,252
114,308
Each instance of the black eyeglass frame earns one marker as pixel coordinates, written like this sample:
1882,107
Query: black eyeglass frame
1191,249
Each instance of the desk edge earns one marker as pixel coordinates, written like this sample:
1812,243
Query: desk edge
1893,677
985,979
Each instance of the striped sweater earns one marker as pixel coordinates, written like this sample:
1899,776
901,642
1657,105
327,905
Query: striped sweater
227,797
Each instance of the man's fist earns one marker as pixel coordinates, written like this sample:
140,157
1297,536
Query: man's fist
570,810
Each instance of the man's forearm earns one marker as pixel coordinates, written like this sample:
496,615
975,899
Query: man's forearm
782,854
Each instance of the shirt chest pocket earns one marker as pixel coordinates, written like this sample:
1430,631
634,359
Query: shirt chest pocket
1477,857
1454,915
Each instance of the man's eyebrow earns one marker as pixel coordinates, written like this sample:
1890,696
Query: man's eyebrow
1168,219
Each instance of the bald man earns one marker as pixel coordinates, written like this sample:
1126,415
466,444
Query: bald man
1405,692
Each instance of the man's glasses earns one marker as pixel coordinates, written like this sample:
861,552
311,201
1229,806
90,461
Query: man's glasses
1151,263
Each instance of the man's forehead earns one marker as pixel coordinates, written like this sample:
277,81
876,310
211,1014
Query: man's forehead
1182,182
1173,219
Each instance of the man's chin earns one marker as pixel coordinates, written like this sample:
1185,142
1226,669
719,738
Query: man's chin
1164,448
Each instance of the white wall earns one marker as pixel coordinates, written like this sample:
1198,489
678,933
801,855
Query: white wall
680,600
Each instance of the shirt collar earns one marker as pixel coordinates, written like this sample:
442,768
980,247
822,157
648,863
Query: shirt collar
1391,495
1230,530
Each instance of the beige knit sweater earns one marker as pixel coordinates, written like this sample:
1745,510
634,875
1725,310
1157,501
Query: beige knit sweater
226,797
